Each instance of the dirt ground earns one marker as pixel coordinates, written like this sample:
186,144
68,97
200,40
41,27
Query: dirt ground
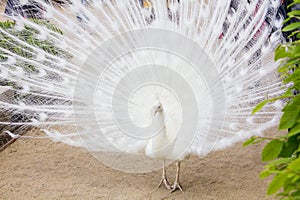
42,169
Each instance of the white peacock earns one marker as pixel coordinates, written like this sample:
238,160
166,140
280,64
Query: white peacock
146,83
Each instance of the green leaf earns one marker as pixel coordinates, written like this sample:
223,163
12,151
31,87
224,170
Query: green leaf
291,27
287,120
294,77
277,182
295,165
294,33
260,106
279,161
290,115
289,147
263,103
265,174
288,187
294,130
272,150
294,12
280,52
295,2
295,179
249,141
296,194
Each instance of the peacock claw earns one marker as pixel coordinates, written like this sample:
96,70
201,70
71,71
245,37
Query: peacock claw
166,183
164,178
176,186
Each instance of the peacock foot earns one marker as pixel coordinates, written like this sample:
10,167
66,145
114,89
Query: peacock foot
176,186
165,181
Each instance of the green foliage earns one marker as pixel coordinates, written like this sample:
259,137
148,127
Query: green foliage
17,44
283,151
272,150
29,36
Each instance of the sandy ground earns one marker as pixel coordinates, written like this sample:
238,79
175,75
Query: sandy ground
2,7
42,169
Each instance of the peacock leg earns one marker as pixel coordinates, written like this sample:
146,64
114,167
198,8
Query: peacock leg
164,178
176,184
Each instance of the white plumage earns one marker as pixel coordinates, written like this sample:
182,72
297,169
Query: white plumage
162,79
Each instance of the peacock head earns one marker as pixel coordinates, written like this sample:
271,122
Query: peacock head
156,109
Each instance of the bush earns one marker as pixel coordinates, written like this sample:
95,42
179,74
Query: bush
283,152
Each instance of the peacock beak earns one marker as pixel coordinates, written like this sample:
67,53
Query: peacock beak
158,110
